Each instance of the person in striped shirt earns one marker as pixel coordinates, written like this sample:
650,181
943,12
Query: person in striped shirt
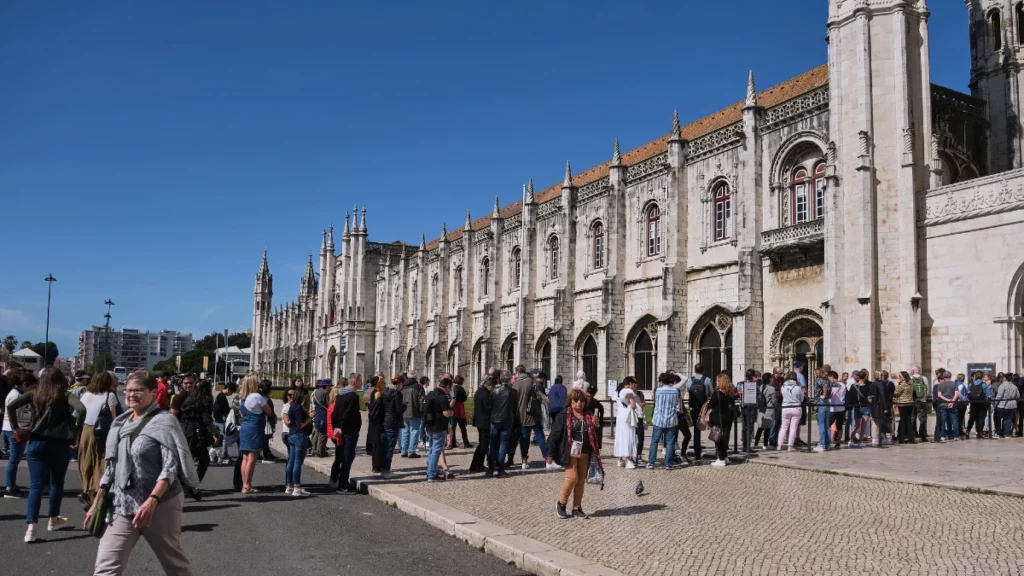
664,419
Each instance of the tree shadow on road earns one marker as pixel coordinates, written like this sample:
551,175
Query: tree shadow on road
6,517
627,510
199,527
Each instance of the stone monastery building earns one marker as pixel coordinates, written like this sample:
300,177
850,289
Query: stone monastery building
856,214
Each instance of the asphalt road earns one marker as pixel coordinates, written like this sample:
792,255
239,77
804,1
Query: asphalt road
268,533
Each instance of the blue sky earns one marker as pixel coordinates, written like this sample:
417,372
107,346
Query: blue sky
151,150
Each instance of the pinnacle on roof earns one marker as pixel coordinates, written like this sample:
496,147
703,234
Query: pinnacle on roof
264,267
751,93
529,192
674,133
444,231
423,241
330,238
469,221
616,157
308,278
345,233
497,208
323,242
362,223
567,181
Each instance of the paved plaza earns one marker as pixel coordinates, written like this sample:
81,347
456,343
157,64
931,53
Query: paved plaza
756,519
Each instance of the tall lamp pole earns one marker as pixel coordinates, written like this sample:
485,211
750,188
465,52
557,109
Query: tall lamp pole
106,326
46,347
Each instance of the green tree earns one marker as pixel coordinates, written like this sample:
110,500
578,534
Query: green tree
240,339
193,361
102,362
210,342
48,350
10,343
168,366
26,344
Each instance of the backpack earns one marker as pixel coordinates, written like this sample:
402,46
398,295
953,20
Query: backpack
103,421
425,412
460,394
976,393
762,402
698,393
919,389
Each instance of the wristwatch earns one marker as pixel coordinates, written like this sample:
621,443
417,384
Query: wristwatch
154,497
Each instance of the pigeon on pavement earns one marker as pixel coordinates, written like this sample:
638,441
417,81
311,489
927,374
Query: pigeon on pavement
639,487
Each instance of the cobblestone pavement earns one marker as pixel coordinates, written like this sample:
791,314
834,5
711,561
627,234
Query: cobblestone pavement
744,519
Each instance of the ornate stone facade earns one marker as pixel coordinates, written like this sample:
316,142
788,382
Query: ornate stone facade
841,216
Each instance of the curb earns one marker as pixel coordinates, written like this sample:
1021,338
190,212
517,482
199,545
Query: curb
526,553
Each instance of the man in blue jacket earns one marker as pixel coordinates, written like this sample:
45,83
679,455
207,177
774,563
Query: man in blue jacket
556,398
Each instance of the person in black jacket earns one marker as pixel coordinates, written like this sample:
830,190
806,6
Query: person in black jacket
482,423
503,410
722,402
575,425
221,409
346,422
394,409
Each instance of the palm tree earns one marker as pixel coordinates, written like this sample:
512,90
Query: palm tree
10,342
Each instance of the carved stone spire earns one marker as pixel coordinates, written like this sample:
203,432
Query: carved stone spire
323,242
345,232
751,92
362,222
423,241
616,157
496,213
264,267
567,181
469,222
674,133
444,231
330,238
529,192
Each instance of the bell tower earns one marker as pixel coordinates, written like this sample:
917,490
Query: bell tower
262,295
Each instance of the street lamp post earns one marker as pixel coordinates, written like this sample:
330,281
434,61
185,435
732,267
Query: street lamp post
46,347
109,303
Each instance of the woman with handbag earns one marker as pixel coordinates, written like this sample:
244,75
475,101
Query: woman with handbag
51,436
255,411
100,410
625,423
721,403
296,418
574,445
148,467
195,411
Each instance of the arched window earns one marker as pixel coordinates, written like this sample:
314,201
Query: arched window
643,361
1019,13
723,212
545,357
517,266
598,233
485,275
434,300
819,190
553,248
995,27
458,284
508,353
653,230
415,299
710,352
588,359
800,196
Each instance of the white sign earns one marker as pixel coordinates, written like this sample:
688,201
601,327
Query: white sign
750,393
612,386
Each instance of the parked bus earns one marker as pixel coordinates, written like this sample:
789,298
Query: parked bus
122,374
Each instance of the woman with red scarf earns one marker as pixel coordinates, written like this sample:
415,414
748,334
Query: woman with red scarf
572,444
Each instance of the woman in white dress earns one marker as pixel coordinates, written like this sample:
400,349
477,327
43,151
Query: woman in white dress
625,431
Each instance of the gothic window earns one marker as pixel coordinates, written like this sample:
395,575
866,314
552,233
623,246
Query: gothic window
819,190
458,284
434,293
800,186
517,266
395,302
545,357
553,249
995,27
723,212
653,230
598,233
508,353
415,299
643,361
1019,13
588,359
485,275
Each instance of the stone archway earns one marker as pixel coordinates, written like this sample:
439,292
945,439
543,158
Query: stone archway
332,364
798,336
711,341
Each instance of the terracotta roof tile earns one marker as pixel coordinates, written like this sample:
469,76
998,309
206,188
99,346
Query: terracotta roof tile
777,94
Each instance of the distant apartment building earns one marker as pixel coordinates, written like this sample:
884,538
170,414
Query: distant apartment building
130,347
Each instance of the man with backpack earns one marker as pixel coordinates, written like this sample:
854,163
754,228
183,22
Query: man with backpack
345,422
320,399
503,409
699,389
977,394
921,399
436,411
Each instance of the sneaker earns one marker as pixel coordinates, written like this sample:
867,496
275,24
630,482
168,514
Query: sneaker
414,455
553,466
852,444
559,511
345,492
449,475
333,484
387,475
650,466
502,474
526,466
667,467
579,513
266,461
630,465
488,474
30,535
819,448
622,464
719,463
56,523
435,479
299,492
16,493
288,490
876,443
404,455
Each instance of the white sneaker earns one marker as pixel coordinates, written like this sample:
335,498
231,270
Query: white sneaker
819,448
622,464
630,465
288,490
56,523
299,492
526,466
719,463
553,466
852,444
30,535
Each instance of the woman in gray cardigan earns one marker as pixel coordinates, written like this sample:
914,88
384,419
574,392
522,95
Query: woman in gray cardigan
148,466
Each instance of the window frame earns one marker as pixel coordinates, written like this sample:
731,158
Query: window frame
799,191
517,267
485,273
723,211
819,186
652,217
994,25
597,244
554,249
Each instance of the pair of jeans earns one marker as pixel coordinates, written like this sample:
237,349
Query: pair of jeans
483,447
1004,422
773,437
296,455
669,434
950,427
824,412
343,457
977,417
436,440
227,440
538,437
47,464
388,437
749,414
921,408
460,423
17,451
410,435
499,443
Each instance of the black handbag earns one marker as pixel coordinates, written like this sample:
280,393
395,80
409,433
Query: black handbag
56,425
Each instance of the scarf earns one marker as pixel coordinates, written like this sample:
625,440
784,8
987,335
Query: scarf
164,429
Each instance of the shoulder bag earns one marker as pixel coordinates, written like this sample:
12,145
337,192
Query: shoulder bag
631,419
102,516
55,425
704,420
